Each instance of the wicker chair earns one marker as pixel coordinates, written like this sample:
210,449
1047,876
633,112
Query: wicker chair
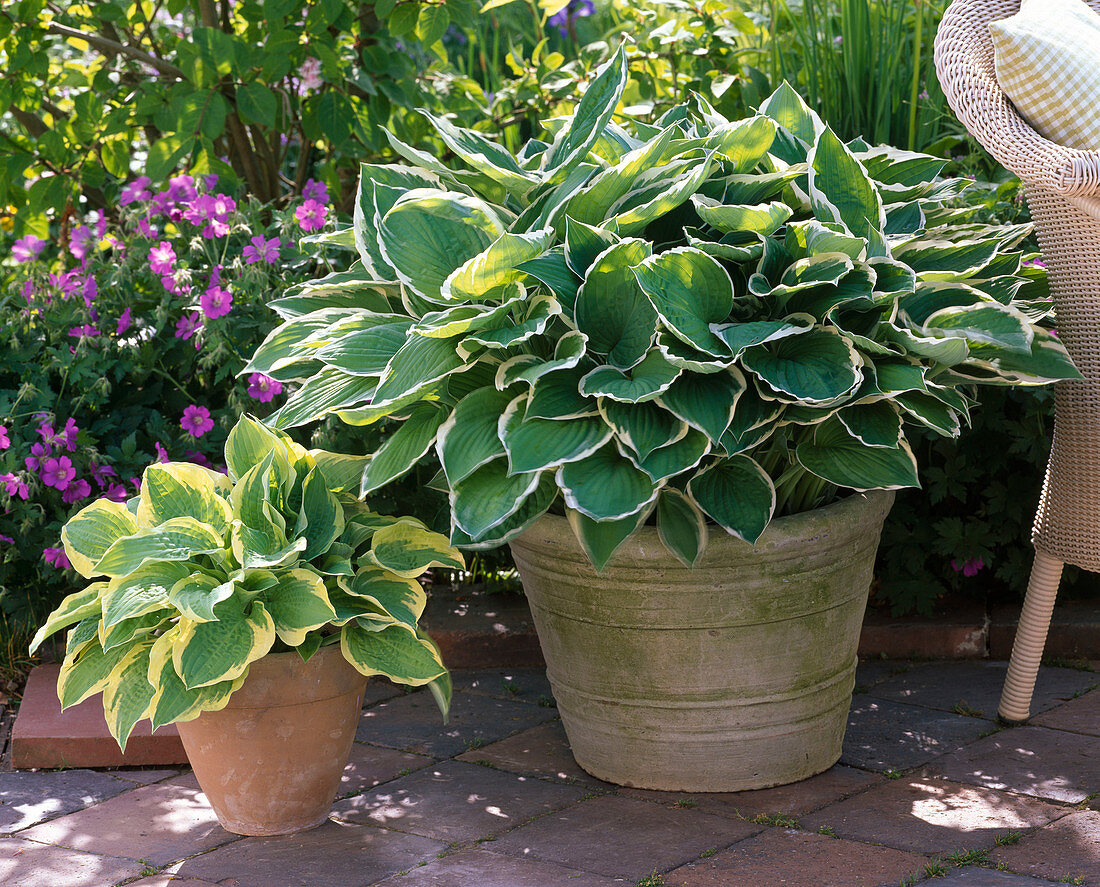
1062,187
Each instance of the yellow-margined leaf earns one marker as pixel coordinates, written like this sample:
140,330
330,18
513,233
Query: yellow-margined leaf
128,692
93,530
179,489
394,652
71,610
408,550
211,652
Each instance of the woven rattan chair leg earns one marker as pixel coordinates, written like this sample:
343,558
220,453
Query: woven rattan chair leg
1031,637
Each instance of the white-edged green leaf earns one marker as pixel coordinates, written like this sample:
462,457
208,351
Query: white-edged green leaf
764,218
612,310
496,266
677,457
419,364
583,243
705,401
787,108
642,427
738,496
840,189
817,367
178,539
489,496
592,115
89,534
528,368
403,448
529,510
364,352
601,539
394,652
876,424
742,143
836,456
142,591
681,526
689,290
741,336
483,155
366,212
468,438
605,485
646,381
533,444
988,323
325,392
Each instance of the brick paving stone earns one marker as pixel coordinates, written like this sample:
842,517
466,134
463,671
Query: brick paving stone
1036,761
871,672
932,816
884,735
622,837
977,686
336,854
412,723
160,823
1066,849
797,859
371,765
170,877
541,751
143,777
456,801
29,864
795,799
28,797
379,689
528,684
1077,716
481,868
972,876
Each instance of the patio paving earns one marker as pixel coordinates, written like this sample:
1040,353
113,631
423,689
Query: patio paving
929,789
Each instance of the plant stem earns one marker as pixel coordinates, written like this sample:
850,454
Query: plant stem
917,48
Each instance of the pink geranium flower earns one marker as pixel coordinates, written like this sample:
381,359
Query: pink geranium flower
263,388
216,302
5,441
14,485
57,557
311,215
124,322
117,493
69,433
162,456
27,248
196,421
261,250
162,258
314,190
77,490
58,473
7,539
102,474
137,190
968,568
188,325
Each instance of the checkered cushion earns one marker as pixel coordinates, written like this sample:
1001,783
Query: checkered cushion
1048,62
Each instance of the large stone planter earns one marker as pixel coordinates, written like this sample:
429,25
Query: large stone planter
270,761
734,675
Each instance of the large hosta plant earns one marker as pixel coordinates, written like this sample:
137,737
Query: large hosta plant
704,321
202,574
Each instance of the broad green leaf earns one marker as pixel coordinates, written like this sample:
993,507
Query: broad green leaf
552,270
605,485
533,444
211,652
593,114
409,550
419,364
532,508
298,604
257,103
677,457
489,496
601,539
569,351
689,290
85,671
72,609
930,412
643,427
128,693
834,455
365,352
92,531
635,210
757,187
946,260
1048,361
324,393
403,448
743,143
483,155
172,702
380,186
404,599
248,444
737,494
811,237
468,438
179,489
942,349
142,591
986,324
738,247
840,189
126,632
612,310
705,402
496,266
429,233
533,322
681,526
451,322
341,472
876,424
394,652
826,269
178,539
765,218
814,368
321,517
196,594
583,243
557,396
741,336
786,107
646,381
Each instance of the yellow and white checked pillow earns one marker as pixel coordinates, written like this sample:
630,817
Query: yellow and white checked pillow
1047,58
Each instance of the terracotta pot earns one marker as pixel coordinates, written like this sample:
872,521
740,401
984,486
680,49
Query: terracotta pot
270,761
734,675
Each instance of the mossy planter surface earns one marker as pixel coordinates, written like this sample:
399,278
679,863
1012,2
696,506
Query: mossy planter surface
736,674
270,762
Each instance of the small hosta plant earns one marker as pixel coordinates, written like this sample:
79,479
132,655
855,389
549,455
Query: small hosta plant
711,322
202,574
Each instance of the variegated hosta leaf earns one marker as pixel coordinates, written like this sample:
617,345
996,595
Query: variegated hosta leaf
489,496
403,599
73,609
742,143
875,424
394,652
530,509
612,310
840,189
601,539
209,653
532,444
248,444
86,670
557,395
416,367
178,539
364,352
528,368
172,701
681,526
583,243
408,550
321,517
833,454
946,260
468,438
689,291
89,534
495,266
786,107
676,458
298,604
146,589
765,218
328,391
483,155
180,489
642,427
645,381
741,336
814,368
365,219
605,485
128,693
706,402
196,594
811,237
404,447
737,494
341,472
985,324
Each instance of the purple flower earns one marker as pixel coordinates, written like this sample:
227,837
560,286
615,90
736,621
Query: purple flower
76,491
216,302
14,485
181,189
263,388
116,493
124,322
309,76
50,438
79,240
90,290
101,474
196,421
38,453
27,248
80,332
58,473
162,456
210,180
57,557
67,283
70,432
261,250
311,215
146,229
7,539
5,441
314,190
196,457
188,325
969,568
137,190
162,258
576,9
